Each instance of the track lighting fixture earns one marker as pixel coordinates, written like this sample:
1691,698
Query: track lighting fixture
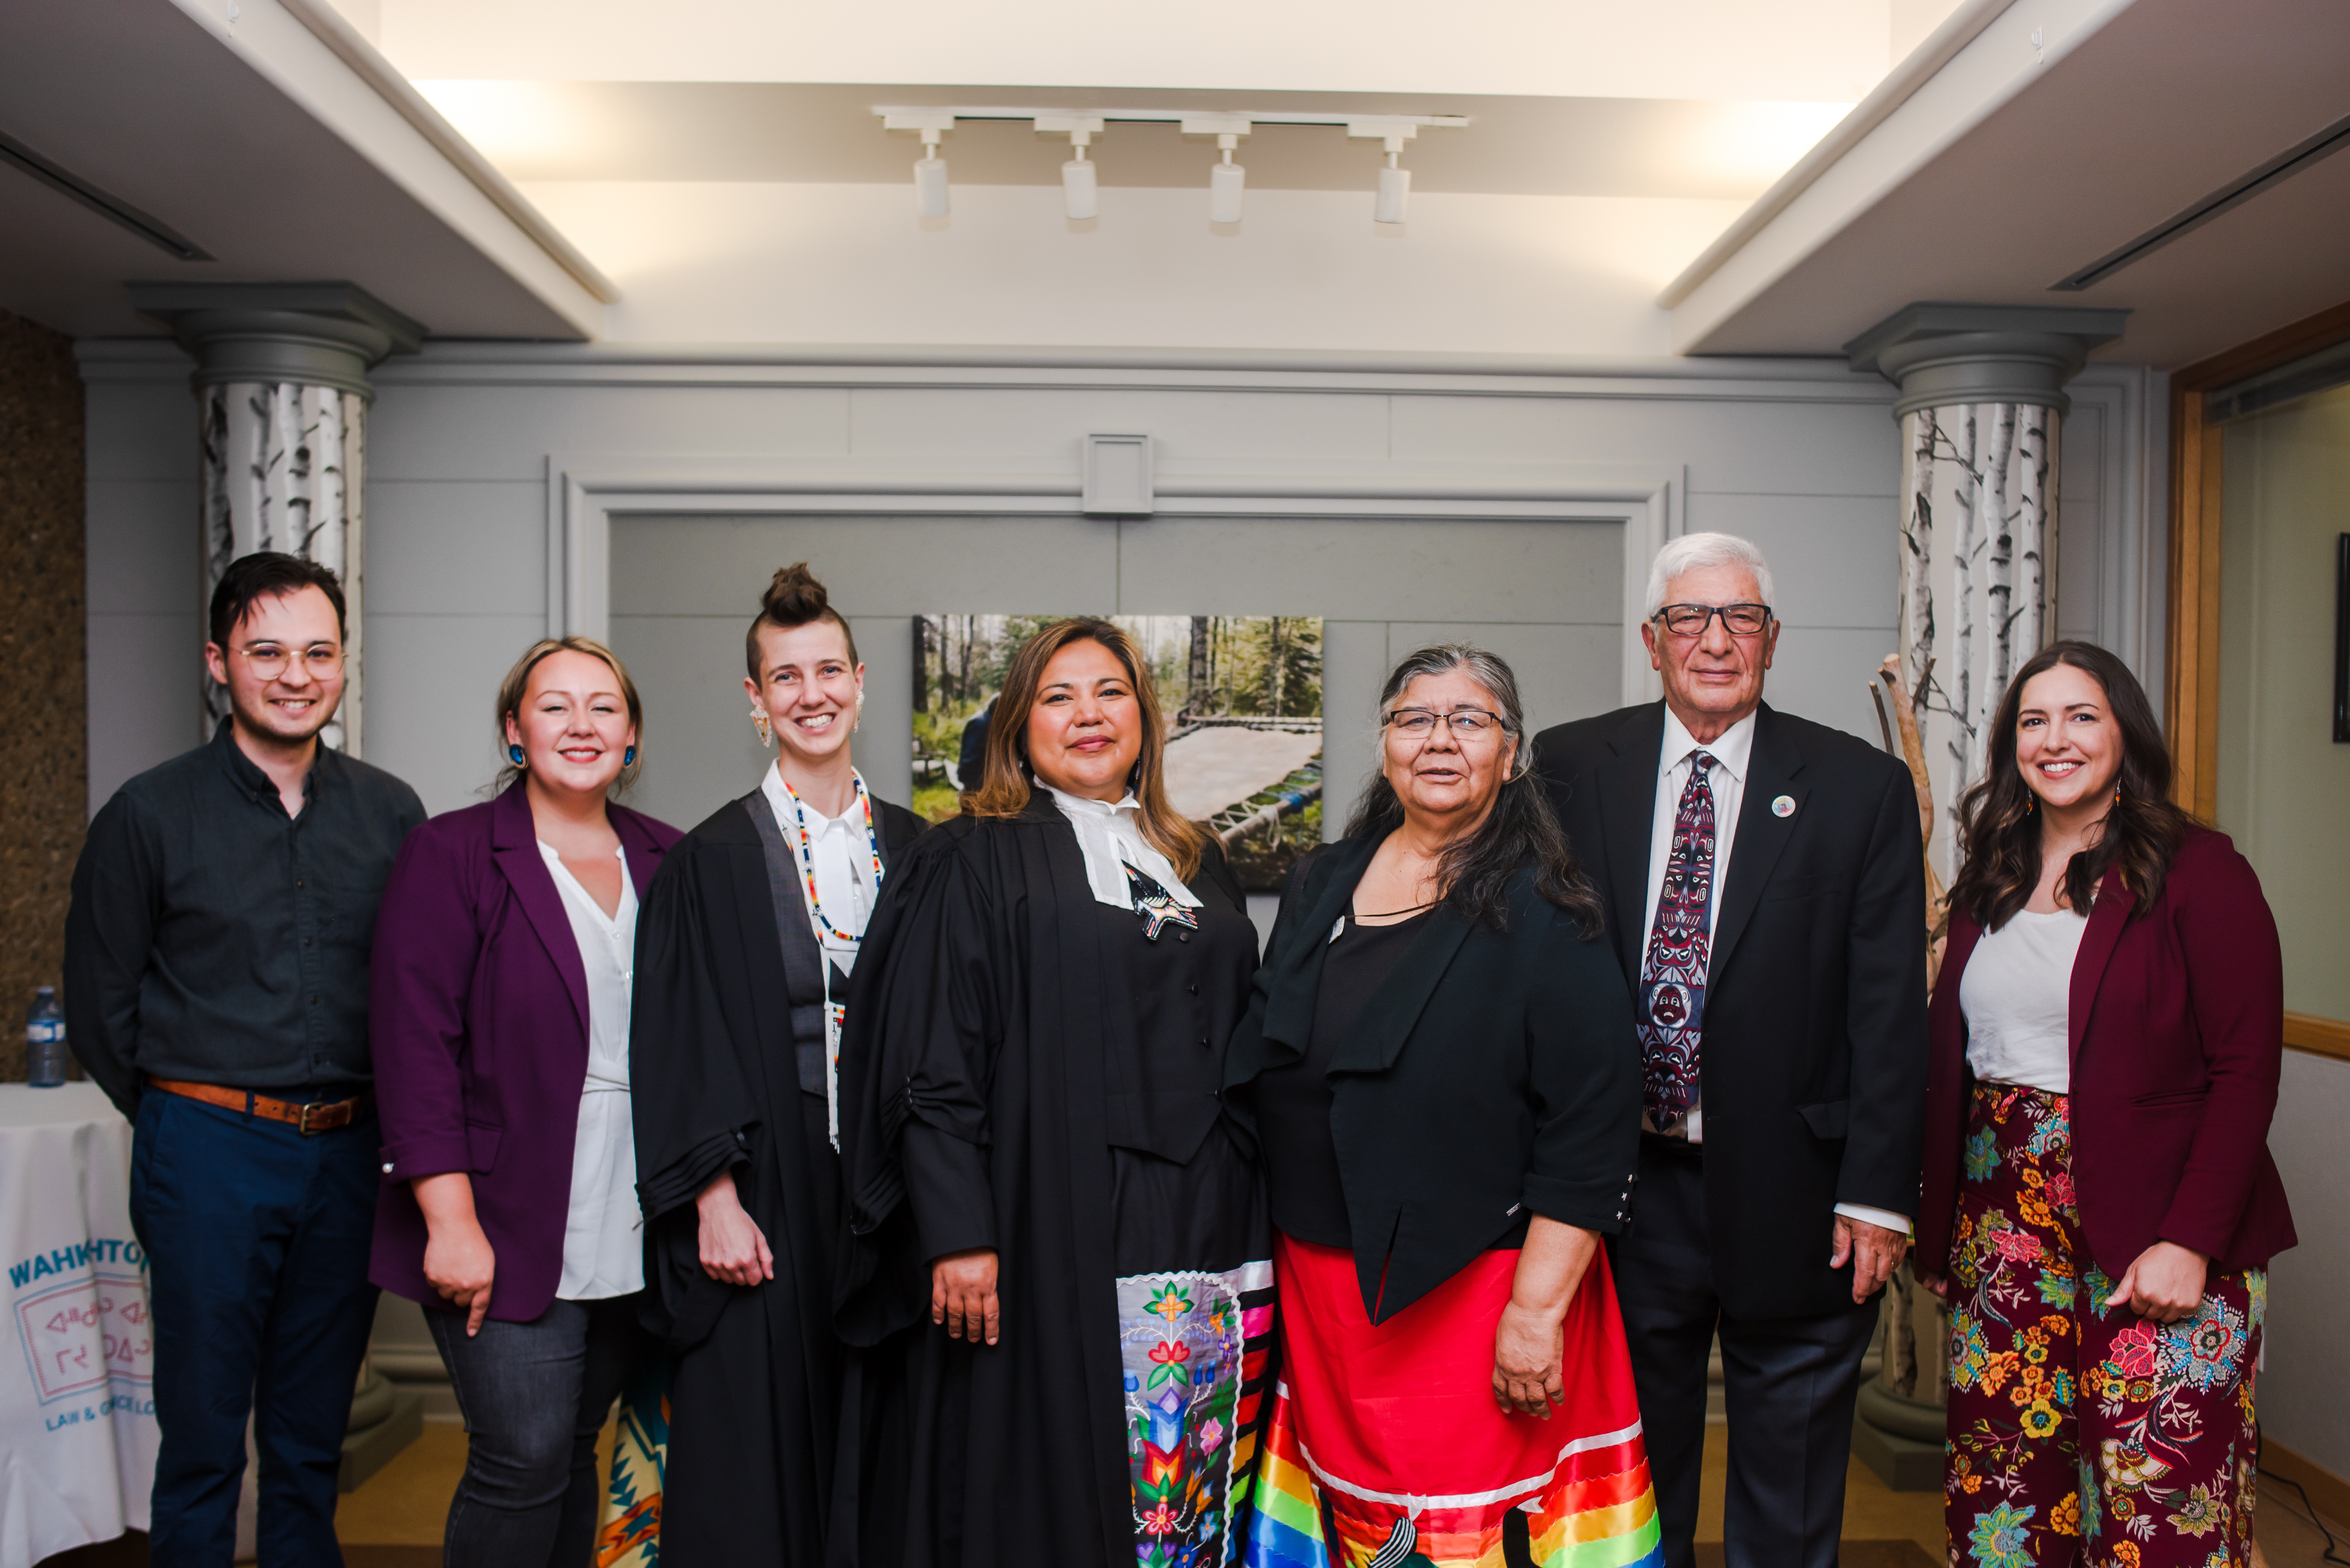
930,179
1395,180
930,169
1226,179
1080,181
1080,189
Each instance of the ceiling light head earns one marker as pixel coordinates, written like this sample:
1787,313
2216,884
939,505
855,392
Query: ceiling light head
1395,180
1080,183
1080,189
930,169
1226,179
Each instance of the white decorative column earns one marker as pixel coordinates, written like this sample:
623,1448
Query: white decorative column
1980,411
282,396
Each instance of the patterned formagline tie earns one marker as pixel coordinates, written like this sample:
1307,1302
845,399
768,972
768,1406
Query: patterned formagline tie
1673,976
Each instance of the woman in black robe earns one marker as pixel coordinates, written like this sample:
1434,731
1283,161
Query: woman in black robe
1057,1254
744,950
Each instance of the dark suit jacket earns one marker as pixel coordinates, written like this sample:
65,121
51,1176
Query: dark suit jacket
480,1021
2177,1020
1814,1054
1493,1074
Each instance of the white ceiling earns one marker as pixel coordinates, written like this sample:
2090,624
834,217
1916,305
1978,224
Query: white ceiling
140,99
791,133
2163,104
1816,50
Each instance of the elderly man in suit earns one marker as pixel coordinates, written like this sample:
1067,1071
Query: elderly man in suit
1766,897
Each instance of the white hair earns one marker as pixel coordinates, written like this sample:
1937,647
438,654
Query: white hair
1692,551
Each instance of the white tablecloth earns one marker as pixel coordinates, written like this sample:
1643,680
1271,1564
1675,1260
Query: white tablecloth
76,1390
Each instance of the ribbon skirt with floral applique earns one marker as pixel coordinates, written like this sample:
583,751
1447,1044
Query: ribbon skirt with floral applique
2079,1433
1194,1346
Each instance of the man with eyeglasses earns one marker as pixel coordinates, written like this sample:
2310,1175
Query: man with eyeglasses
216,989
1766,895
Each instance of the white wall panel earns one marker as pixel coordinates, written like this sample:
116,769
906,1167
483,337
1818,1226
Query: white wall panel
432,697
1835,560
1513,569
1354,664
144,709
141,546
1741,443
460,445
1054,422
1822,673
458,547
2308,1364
877,565
1563,672
442,430
144,429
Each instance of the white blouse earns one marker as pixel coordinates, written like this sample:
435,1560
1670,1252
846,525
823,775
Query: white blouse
1111,839
603,1241
2017,998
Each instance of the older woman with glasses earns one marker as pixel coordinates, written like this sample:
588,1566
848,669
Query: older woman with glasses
1439,1068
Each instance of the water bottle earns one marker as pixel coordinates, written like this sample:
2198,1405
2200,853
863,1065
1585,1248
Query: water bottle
45,1040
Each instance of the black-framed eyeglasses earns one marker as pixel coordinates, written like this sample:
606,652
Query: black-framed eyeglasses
1421,722
268,660
1691,620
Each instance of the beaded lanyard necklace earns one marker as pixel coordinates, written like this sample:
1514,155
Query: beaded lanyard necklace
834,1014
825,928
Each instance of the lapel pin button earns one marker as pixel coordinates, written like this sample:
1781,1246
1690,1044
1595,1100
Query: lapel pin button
1783,806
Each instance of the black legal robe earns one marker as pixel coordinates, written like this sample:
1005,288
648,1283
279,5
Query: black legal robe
727,1072
1024,1070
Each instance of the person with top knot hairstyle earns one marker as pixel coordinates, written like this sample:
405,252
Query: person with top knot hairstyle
746,945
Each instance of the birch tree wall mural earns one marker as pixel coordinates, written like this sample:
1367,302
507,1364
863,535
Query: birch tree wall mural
1978,577
283,469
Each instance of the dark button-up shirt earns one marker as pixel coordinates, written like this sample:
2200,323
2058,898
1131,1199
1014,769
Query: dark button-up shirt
214,938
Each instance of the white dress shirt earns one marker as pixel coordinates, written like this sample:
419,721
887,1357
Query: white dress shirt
2017,996
1111,839
1733,753
845,882
603,1244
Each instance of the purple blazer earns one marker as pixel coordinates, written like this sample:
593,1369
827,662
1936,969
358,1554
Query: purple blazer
2178,1028
478,1016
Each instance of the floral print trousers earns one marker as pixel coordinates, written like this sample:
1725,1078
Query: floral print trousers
2078,1433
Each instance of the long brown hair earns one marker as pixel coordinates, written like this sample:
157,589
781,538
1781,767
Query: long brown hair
1999,822
1008,782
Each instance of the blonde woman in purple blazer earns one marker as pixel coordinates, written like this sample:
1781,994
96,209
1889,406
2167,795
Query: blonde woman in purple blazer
504,954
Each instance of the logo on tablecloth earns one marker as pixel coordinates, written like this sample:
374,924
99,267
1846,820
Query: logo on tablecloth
81,1315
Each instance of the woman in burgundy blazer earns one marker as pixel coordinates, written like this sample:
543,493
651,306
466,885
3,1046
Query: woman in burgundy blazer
504,953
2099,1200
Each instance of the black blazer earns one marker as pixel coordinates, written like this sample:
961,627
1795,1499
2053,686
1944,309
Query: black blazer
1493,1074
1813,1053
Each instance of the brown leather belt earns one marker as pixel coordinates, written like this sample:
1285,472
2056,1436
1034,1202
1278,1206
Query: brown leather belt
309,1120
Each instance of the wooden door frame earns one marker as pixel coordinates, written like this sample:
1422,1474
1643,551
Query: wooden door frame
2192,666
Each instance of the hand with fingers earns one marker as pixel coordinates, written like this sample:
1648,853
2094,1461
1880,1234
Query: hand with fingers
1530,1342
734,1249
1873,1251
2164,1282
1529,1361
962,1295
459,1261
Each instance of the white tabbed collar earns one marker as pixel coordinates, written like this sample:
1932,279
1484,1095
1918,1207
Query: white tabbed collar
1112,840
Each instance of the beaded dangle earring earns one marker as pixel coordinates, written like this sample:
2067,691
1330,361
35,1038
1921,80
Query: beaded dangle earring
514,755
759,721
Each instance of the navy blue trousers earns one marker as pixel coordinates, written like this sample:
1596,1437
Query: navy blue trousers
256,1242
